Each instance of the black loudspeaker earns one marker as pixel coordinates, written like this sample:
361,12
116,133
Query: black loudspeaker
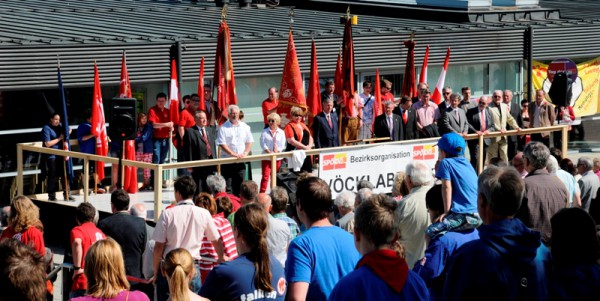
123,120
561,89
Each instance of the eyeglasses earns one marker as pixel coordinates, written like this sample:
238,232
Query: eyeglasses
271,121
447,93
497,96
297,115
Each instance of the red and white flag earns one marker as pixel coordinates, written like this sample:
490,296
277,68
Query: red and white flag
291,91
174,95
377,110
423,75
130,177
224,78
202,105
314,90
99,124
437,94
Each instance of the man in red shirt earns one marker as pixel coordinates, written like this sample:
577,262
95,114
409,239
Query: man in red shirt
270,104
386,91
160,118
82,238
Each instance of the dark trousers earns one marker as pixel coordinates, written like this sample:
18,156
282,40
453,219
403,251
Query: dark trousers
199,174
538,137
513,147
54,169
234,175
473,152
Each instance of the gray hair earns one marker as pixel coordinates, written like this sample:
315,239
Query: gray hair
388,102
537,154
552,165
216,183
345,199
586,162
419,173
362,195
597,162
455,95
484,98
364,184
279,199
502,189
232,107
138,210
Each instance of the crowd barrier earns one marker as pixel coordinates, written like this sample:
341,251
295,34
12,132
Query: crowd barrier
37,147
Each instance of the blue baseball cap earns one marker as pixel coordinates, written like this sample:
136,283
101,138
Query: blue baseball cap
453,144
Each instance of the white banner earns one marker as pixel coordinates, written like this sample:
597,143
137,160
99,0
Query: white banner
377,164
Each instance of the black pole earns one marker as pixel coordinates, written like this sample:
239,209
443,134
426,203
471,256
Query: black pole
178,62
530,63
120,173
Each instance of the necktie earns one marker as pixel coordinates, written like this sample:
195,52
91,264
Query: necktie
482,120
208,150
456,114
391,127
405,116
329,121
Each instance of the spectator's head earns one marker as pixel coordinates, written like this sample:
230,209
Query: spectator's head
446,92
452,145
273,94
386,86
400,188
119,200
418,174
105,269
274,120
87,114
567,165
161,99
498,162
186,99
364,184
500,192
224,205
200,118
536,156
297,114
556,153
138,210
313,200
185,187
518,162
24,214
250,232
330,86
216,184
234,114
85,213
367,86
389,107
178,268
552,165
434,202
596,167
279,199
375,226
142,119
507,96
265,201
22,274
584,164
241,115
574,239
248,192
327,105
54,119
524,105
466,93
362,196
4,214
406,102
454,100
206,201
345,202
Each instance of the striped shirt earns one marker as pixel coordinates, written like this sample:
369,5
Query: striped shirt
207,251
294,230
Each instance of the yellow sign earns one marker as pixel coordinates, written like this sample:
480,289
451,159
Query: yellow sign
586,85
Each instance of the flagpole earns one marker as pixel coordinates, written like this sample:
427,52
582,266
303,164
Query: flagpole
67,189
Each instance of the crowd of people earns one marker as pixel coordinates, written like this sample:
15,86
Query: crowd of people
447,234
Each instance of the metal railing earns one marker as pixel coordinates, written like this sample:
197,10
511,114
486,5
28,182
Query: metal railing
159,168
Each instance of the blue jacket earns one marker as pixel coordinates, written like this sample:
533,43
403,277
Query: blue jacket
143,140
576,282
508,262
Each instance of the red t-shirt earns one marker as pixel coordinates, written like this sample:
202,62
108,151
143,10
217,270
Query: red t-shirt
156,115
387,96
186,119
268,105
295,127
32,237
89,234
235,201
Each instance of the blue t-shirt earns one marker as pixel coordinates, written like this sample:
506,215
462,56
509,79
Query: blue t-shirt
50,133
321,256
234,280
363,284
87,146
462,176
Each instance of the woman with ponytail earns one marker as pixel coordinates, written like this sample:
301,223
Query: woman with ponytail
230,280
178,268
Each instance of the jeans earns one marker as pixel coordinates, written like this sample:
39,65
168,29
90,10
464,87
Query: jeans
162,284
159,154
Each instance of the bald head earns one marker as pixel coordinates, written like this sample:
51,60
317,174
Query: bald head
138,210
265,201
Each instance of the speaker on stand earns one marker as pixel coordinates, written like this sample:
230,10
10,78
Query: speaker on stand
123,125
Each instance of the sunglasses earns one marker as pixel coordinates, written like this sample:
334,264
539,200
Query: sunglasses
446,93
271,120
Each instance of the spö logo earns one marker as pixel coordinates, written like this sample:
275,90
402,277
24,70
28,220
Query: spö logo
426,152
335,161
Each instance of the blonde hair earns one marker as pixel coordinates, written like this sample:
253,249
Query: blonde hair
24,214
399,188
296,111
105,269
275,117
178,267
207,202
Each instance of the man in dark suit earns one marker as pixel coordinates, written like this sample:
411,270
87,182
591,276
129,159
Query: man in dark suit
199,144
389,124
455,118
481,122
515,111
444,104
325,128
408,115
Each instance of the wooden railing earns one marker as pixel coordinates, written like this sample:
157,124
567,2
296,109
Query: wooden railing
159,168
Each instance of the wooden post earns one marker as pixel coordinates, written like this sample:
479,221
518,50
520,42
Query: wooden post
19,170
157,192
481,155
565,138
86,180
273,171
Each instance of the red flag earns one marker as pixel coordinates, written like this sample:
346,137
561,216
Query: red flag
314,89
224,79
437,93
409,85
174,95
348,67
377,110
130,178
338,79
291,92
99,124
423,75
202,105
